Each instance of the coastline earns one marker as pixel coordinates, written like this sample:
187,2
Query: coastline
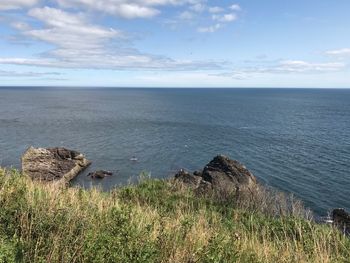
282,136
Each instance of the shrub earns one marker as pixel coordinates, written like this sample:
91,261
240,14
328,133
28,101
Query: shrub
156,221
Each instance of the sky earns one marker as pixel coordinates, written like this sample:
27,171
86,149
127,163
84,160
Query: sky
175,43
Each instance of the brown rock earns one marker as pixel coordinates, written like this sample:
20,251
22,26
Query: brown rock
222,175
227,175
188,179
53,164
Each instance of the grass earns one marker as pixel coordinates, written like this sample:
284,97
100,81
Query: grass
156,221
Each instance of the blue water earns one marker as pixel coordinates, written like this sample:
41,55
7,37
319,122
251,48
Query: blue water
297,140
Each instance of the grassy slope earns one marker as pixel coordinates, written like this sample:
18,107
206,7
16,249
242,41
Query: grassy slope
154,221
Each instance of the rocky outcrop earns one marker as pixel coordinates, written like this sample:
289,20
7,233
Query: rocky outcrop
53,164
188,178
341,219
221,175
100,174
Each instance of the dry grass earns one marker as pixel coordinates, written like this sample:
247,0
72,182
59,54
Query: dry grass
157,221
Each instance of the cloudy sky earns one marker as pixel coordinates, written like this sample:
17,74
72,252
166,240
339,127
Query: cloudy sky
175,43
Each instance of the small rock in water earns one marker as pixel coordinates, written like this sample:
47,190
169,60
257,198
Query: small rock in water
100,174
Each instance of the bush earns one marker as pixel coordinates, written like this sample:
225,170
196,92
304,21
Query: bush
155,221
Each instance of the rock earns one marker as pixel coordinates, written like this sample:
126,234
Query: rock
188,179
100,174
222,175
197,173
204,187
227,175
53,164
341,219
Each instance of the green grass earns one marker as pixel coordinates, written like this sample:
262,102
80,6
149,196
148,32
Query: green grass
154,221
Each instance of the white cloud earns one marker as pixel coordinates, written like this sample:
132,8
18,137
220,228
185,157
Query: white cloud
117,62
128,8
124,8
69,32
119,8
16,4
215,9
198,7
186,15
286,67
20,25
235,7
77,43
133,11
220,19
339,52
298,66
225,18
4,73
210,29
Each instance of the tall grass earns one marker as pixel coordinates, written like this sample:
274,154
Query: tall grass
154,221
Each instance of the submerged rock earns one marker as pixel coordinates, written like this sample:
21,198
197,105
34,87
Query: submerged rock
100,174
53,164
341,219
222,175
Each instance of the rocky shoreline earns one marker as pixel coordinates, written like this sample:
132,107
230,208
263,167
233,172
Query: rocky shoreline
221,176
56,165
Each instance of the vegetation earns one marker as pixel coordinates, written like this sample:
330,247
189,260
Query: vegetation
154,221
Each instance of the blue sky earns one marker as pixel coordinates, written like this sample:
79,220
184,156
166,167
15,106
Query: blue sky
175,43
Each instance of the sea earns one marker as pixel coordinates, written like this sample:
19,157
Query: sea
295,140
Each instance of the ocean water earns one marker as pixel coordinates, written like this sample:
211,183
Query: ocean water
297,140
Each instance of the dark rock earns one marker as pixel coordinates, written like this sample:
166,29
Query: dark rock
227,175
221,175
341,219
203,187
188,179
100,174
53,164
197,173
63,153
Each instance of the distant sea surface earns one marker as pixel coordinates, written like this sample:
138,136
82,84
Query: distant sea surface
296,140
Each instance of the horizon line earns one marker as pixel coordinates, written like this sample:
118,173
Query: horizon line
159,87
